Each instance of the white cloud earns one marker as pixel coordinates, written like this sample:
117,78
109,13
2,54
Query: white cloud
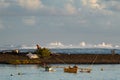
56,44
93,4
30,21
30,4
98,6
83,44
84,2
104,45
70,8
4,4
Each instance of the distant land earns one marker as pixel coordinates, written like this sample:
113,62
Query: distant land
60,56
21,58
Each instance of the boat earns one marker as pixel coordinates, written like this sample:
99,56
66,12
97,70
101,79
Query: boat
87,70
71,69
49,69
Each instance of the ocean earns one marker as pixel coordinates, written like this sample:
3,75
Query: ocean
76,50
69,50
85,50
35,72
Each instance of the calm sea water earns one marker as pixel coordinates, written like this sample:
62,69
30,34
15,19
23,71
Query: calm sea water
85,50
76,50
35,72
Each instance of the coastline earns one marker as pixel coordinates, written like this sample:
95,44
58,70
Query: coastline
21,58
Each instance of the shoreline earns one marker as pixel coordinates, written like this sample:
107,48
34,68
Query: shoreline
21,58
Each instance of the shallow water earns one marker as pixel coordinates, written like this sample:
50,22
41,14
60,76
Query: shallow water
35,72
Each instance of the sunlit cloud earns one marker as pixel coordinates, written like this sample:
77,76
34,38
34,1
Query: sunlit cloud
117,46
83,44
104,45
70,8
93,4
56,44
97,6
73,20
61,45
31,4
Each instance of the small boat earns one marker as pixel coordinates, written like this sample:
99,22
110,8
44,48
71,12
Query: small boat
71,69
87,70
49,69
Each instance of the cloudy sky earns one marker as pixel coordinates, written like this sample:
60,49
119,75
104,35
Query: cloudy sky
66,21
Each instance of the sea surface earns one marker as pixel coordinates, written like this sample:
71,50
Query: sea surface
86,50
72,50
35,72
76,50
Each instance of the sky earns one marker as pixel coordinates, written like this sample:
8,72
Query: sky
58,22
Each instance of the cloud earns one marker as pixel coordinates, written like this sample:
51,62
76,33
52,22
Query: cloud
30,4
98,6
83,44
93,4
4,4
84,2
104,45
29,21
55,45
114,5
70,8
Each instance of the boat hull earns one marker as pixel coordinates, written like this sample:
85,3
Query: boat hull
87,70
49,69
71,70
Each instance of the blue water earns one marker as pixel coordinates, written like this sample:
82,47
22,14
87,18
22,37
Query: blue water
35,72
76,50
85,51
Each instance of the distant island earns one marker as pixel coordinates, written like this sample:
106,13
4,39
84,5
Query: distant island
43,55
